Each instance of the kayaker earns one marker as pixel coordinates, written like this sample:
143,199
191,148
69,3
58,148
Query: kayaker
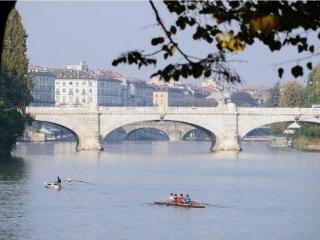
181,199
171,197
187,199
58,182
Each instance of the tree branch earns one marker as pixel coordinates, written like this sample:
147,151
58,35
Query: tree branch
168,34
297,59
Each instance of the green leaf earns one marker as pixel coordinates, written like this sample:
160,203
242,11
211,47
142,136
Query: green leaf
280,72
309,65
297,71
156,41
173,30
311,49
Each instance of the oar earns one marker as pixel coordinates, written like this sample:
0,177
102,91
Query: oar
75,180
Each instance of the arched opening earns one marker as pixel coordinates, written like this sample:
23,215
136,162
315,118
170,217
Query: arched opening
259,134
147,134
44,131
196,135
284,134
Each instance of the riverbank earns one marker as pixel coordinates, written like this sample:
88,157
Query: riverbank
305,143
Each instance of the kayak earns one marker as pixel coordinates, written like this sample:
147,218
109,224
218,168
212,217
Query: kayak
52,186
184,205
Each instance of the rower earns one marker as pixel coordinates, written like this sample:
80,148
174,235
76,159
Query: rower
187,199
58,182
175,197
181,199
171,197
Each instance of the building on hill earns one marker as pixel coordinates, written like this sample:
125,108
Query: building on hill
83,66
156,81
258,92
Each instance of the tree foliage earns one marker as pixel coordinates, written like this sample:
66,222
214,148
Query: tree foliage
313,87
14,84
292,95
229,26
242,99
274,96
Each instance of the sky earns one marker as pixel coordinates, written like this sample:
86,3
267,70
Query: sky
61,33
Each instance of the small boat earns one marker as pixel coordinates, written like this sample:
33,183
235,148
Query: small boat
183,205
53,185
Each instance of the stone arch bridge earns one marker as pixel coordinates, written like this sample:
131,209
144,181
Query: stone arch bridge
226,125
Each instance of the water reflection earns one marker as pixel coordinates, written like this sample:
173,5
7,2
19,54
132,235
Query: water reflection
13,197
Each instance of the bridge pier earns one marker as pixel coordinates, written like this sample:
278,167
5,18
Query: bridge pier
174,136
89,142
228,138
226,143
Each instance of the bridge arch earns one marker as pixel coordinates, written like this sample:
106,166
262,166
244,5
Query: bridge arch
74,134
193,131
260,125
155,130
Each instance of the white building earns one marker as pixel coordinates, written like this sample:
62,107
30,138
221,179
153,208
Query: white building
86,88
43,86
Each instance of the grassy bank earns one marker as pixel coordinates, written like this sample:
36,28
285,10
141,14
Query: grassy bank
307,143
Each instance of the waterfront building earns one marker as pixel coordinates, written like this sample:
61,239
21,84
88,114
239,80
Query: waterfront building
165,96
87,88
43,86
160,97
138,93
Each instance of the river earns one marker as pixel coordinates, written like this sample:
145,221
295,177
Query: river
257,194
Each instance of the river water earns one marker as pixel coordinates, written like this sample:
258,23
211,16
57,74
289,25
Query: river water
259,193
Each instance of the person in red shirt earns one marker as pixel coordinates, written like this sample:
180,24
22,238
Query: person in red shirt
181,199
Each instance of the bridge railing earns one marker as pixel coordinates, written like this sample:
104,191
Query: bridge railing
172,110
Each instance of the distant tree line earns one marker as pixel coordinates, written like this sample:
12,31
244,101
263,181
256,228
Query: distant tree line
294,94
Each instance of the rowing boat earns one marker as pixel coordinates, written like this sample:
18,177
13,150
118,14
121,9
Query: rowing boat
183,205
52,186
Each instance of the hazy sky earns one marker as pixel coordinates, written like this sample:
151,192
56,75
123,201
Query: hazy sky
61,33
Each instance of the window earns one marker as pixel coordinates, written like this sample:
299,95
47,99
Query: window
57,83
83,92
83,100
70,92
70,83
90,83
77,84
90,90
77,90
64,83
83,83
64,90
